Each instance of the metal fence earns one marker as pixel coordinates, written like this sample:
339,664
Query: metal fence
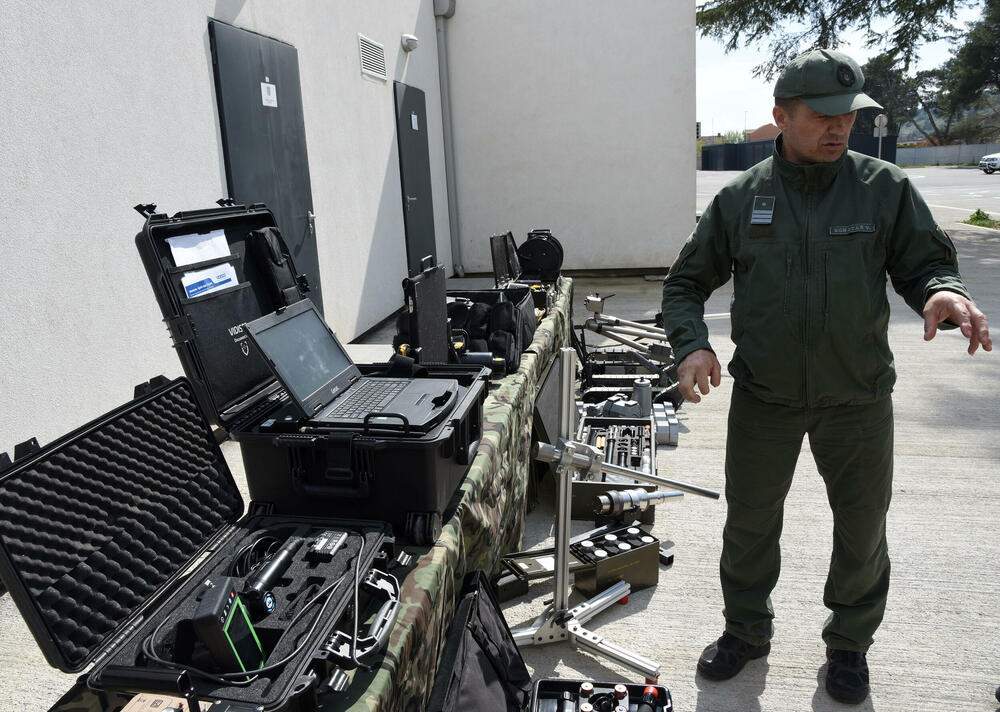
945,155
740,156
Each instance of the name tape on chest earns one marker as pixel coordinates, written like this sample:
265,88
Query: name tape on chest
763,210
851,229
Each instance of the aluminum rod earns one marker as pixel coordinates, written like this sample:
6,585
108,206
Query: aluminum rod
595,643
601,327
615,321
564,475
549,453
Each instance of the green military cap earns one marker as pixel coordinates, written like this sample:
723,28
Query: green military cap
826,81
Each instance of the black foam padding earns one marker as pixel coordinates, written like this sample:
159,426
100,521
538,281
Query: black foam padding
109,513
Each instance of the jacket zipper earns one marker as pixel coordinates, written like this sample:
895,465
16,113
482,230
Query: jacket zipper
788,280
826,290
805,302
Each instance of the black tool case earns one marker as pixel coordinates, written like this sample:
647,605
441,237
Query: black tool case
558,694
113,535
501,320
406,479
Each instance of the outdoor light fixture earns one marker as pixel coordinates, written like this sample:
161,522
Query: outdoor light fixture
409,42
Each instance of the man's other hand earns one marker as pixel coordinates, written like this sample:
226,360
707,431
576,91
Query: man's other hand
955,308
698,367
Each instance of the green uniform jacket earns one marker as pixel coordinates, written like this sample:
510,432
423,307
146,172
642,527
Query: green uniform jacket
809,308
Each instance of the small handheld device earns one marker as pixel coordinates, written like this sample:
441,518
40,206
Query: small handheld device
223,624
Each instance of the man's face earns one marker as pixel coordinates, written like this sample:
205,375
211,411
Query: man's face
810,137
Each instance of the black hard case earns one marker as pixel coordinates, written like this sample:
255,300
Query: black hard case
522,296
109,530
407,480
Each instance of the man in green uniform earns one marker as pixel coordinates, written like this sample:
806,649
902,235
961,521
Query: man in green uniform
809,236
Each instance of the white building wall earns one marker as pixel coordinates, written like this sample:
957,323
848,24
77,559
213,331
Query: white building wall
108,104
577,115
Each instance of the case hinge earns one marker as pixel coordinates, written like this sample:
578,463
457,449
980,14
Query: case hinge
147,210
302,282
21,451
153,384
181,329
260,508
28,447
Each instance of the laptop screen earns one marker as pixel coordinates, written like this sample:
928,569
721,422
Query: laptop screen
304,353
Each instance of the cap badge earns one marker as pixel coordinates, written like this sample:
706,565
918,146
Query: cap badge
845,75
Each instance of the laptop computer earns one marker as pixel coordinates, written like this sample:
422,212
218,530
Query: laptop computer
328,388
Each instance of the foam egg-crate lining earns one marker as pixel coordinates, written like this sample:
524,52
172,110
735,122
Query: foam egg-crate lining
99,523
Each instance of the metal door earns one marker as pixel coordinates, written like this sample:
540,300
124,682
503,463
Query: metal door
415,176
264,135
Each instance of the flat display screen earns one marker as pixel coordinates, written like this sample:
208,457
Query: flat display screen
304,353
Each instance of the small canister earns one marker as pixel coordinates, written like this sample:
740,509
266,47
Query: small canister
642,393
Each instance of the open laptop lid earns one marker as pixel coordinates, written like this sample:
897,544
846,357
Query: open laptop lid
305,355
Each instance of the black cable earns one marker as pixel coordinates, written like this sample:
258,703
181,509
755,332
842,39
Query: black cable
357,581
233,678
148,645
248,558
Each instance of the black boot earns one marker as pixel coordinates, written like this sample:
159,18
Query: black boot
727,656
846,675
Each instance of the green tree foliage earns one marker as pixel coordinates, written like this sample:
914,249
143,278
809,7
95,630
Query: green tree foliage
975,67
887,84
733,137
793,26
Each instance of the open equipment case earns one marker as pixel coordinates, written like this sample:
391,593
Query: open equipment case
405,478
120,542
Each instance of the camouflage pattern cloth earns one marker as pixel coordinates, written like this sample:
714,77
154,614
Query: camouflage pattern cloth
487,524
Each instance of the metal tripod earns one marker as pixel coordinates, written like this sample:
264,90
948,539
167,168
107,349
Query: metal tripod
559,621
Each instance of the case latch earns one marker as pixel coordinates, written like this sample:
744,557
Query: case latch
225,202
181,329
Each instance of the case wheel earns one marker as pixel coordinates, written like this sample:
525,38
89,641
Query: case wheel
422,528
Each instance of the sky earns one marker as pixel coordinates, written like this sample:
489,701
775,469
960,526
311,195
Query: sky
730,98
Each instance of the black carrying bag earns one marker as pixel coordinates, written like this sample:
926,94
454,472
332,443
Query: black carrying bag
267,248
481,668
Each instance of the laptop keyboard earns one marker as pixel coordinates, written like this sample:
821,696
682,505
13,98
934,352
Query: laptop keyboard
368,396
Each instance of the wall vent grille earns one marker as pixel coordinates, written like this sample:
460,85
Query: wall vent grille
372,57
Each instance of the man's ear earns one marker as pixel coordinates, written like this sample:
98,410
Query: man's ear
780,117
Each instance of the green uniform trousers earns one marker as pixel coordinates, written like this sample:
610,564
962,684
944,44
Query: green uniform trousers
852,447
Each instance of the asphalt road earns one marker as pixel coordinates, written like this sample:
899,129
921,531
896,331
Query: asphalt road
952,192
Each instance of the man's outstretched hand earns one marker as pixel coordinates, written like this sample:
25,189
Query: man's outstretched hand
698,367
958,310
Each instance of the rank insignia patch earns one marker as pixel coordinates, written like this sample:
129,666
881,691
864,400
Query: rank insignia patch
763,210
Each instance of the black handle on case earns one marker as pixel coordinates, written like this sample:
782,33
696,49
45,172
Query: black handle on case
402,418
